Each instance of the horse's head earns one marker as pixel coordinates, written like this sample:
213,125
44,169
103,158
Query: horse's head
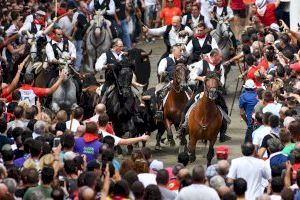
223,29
124,80
98,23
180,76
211,86
64,66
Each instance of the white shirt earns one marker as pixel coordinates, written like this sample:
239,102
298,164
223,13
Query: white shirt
11,30
104,134
147,179
220,10
275,197
190,47
258,136
102,60
197,191
254,171
196,20
197,69
111,6
75,125
173,35
205,5
163,65
150,2
50,53
274,108
66,25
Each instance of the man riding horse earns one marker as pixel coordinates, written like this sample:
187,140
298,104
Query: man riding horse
58,47
201,44
199,71
166,70
107,61
221,12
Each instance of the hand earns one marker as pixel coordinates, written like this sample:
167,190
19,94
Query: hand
145,29
38,103
61,74
55,19
288,165
57,150
145,137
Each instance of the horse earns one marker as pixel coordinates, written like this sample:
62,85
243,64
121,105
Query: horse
222,35
65,97
205,119
175,102
121,102
97,40
89,97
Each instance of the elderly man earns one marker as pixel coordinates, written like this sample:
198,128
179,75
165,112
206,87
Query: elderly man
171,33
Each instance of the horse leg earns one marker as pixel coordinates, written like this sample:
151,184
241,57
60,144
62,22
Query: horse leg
158,139
169,133
210,153
192,149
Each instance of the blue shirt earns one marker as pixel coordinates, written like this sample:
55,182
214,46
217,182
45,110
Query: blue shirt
248,101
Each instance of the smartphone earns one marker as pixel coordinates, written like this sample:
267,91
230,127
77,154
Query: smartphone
56,142
61,181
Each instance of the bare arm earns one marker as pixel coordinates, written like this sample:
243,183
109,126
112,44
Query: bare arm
277,2
12,50
54,87
16,79
261,152
130,141
243,114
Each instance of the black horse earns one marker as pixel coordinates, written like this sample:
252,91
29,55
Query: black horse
121,103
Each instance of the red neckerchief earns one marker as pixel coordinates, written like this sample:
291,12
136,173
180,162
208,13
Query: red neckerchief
40,22
200,36
89,137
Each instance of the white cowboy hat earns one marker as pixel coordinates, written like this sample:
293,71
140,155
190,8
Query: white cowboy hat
40,12
249,84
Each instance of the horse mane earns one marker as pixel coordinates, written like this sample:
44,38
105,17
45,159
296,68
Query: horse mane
211,75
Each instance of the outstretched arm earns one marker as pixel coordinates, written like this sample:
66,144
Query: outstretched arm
16,79
54,87
130,141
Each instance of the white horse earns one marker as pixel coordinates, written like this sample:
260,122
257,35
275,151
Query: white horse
97,40
65,96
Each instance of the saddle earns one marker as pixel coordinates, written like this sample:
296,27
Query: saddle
197,98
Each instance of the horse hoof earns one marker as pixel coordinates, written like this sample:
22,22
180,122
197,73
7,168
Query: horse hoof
158,148
172,143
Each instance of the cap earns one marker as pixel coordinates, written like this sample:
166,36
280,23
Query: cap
249,84
275,27
222,152
260,3
156,165
287,120
93,164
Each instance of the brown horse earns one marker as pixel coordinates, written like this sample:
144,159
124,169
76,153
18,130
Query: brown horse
176,101
205,119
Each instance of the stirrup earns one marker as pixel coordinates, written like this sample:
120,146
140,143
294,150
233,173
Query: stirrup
159,115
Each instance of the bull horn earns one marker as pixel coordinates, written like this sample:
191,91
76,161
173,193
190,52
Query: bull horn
147,54
146,97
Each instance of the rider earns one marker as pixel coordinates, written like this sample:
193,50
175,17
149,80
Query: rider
38,23
222,12
166,69
202,43
108,5
57,48
171,33
29,93
195,17
110,57
199,70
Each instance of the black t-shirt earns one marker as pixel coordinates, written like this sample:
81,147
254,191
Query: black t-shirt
120,9
264,143
20,192
82,26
